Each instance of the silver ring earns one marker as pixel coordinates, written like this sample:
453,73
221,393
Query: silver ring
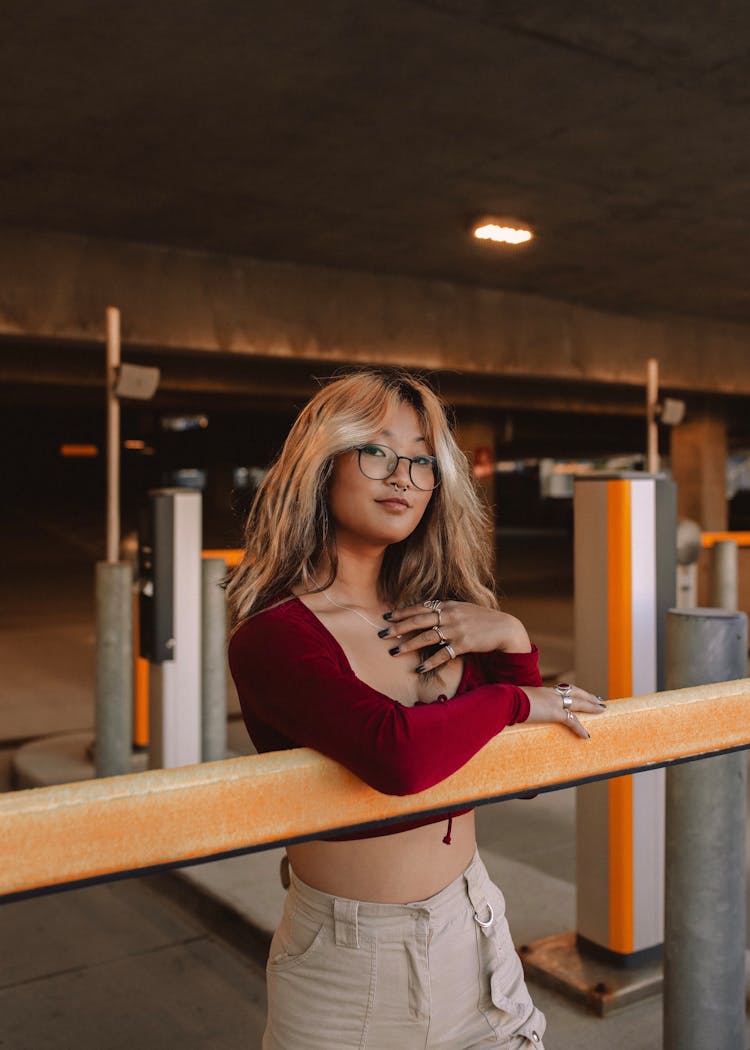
569,714
440,635
564,690
451,650
433,604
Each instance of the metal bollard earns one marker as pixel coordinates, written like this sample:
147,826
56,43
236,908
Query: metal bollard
724,575
214,661
114,668
688,552
704,944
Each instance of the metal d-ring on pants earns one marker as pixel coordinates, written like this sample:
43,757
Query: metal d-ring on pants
439,974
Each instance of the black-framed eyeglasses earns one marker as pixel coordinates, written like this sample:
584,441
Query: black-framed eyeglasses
378,462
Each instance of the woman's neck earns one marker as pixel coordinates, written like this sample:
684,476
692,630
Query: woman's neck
357,574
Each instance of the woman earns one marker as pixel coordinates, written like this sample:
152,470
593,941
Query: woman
367,629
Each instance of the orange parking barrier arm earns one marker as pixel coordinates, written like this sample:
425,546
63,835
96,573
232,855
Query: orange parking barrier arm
75,833
742,539
232,556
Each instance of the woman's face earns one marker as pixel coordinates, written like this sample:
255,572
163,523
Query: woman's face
385,511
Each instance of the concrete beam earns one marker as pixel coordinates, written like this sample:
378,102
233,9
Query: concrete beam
55,288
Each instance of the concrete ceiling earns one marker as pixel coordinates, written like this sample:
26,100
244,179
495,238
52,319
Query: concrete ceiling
368,135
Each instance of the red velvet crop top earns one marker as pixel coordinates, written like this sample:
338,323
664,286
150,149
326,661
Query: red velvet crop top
297,689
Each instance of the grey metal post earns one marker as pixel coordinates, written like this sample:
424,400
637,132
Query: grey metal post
689,535
704,946
114,668
214,661
724,577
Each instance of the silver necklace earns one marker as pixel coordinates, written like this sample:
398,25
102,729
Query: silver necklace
348,608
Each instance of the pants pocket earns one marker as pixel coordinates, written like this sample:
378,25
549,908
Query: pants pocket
517,1018
297,938
292,956
320,993
506,1004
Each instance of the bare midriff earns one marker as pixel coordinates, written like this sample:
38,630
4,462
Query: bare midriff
409,865
398,869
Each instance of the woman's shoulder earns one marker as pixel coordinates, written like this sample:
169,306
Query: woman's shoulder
282,613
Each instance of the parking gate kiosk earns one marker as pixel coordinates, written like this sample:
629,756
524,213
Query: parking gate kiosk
625,571
170,624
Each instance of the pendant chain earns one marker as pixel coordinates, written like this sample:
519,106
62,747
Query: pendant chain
348,608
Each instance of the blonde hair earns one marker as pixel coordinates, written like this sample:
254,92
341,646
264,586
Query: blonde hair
288,530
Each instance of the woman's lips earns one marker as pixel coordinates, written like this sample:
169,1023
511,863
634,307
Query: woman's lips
393,504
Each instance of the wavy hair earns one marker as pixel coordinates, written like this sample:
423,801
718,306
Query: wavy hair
288,533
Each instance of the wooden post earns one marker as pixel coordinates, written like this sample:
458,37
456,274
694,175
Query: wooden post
652,427
113,436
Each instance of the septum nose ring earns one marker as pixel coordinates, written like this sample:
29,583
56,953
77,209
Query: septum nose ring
397,486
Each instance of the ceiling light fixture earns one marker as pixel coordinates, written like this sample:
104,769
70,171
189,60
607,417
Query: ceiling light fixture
495,230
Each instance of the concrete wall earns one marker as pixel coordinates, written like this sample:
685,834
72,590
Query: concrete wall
56,287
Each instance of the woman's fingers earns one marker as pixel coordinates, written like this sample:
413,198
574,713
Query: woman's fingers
571,721
573,699
399,615
413,619
582,700
427,640
421,640
563,704
442,656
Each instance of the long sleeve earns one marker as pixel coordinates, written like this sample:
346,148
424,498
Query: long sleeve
290,677
516,668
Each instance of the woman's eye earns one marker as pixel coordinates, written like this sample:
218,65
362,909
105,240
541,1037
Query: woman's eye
373,450
423,461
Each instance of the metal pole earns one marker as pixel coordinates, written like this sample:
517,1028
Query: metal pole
113,436
652,429
724,575
214,661
687,586
704,945
114,668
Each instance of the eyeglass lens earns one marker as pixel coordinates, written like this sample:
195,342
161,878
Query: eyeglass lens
379,462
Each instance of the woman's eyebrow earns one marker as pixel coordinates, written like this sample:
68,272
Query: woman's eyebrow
389,434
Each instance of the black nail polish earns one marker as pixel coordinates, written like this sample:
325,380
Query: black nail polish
420,669
387,616
395,650
384,633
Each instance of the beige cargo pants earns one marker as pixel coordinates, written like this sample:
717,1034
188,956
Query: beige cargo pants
439,974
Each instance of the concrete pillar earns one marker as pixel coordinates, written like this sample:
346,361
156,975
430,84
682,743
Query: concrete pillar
699,457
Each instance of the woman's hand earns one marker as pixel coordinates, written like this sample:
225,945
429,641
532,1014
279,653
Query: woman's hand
548,705
463,627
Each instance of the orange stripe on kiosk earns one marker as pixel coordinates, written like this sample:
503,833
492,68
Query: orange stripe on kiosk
620,680
625,567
